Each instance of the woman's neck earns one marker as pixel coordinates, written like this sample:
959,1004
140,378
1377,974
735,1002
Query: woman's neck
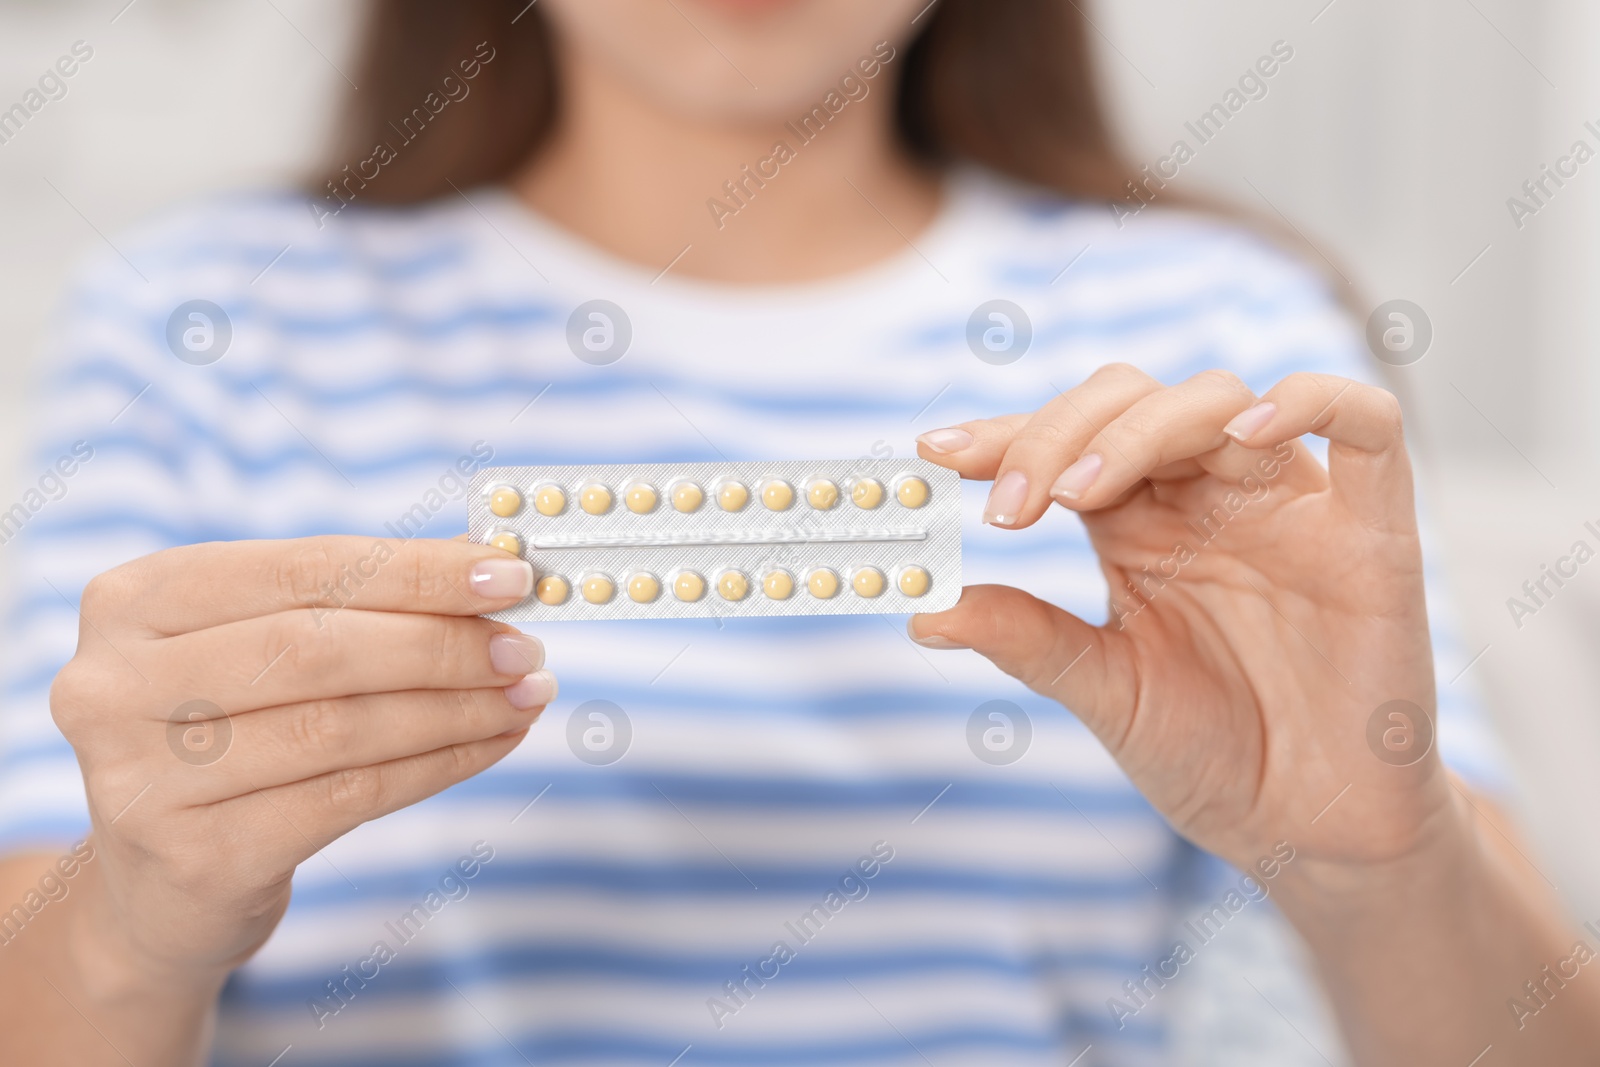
719,200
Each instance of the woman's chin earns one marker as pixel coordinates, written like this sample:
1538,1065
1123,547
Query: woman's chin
752,8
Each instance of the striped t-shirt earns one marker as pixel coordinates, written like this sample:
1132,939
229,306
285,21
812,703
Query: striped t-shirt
729,842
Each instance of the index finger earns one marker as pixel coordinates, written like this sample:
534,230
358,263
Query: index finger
196,587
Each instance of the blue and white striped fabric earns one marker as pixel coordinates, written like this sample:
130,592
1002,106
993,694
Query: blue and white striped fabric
620,901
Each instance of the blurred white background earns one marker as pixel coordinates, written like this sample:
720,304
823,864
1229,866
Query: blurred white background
1392,140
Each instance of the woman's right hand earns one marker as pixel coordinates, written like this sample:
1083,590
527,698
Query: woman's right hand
237,706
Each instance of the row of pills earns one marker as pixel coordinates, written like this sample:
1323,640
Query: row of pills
731,584
641,498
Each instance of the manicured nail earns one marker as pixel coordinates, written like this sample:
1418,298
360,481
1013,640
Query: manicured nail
536,690
501,579
515,654
951,440
1076,479
1006,499
932,640
1249,422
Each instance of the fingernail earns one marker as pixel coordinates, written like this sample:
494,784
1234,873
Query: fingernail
932,640
515,654
1249,421
536,690
501,579
1076,479
951,440
1006,499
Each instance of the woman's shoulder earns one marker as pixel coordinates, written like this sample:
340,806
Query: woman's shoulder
252,275
1038,234
231,241
1172,289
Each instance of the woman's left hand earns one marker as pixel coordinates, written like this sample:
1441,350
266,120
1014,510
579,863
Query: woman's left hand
1263,608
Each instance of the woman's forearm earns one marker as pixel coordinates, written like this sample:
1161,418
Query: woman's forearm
70,996
1452,958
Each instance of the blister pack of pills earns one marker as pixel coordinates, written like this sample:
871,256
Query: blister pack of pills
699,540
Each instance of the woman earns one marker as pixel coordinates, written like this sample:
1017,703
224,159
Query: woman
803,228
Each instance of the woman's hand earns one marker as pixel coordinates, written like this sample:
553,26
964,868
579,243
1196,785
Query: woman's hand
1262,607
236,707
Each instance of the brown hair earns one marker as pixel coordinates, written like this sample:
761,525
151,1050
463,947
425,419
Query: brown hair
1007,84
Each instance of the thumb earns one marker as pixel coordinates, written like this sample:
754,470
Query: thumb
1052,652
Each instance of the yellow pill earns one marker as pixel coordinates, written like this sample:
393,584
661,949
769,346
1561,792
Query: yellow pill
732,496
823,583
867,493
643,588
595,499
733,585
777,495
507,542
778,585
641,498
912,491
505,502
913,581
688,586
553,589
822,494
867,581
687,497
550,500
597,588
